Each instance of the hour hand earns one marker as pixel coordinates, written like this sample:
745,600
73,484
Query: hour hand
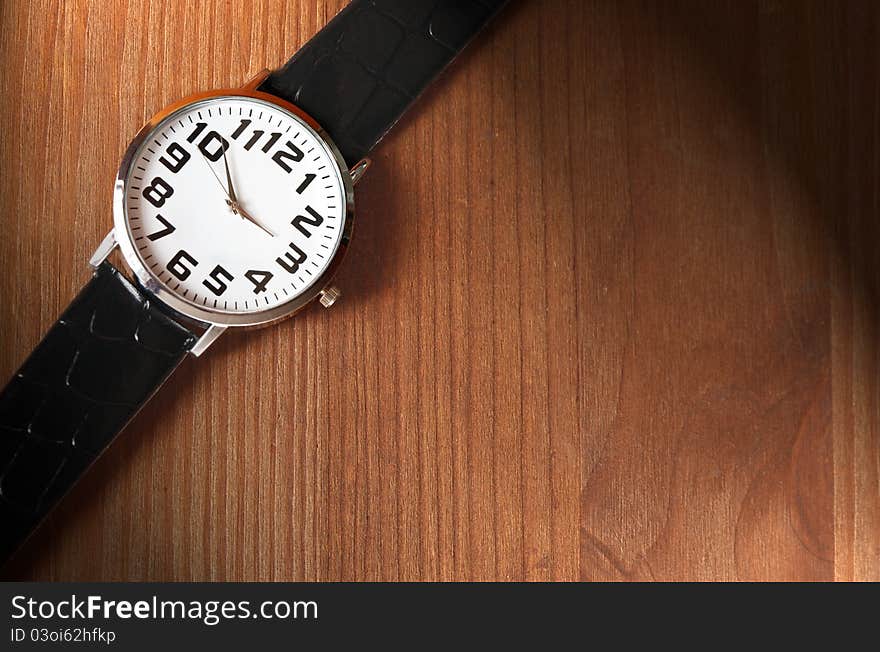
241,212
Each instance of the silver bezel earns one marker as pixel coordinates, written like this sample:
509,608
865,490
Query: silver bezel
153,286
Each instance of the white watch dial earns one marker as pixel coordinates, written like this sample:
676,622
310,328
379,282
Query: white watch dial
234,205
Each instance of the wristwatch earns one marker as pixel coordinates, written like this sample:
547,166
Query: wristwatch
232,208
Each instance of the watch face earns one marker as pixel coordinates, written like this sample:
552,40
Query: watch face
233,208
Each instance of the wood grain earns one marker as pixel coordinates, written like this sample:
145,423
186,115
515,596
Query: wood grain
611,310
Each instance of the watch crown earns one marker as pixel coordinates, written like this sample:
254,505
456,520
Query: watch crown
329,295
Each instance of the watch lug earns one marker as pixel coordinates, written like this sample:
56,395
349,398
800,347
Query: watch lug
359,169
256,80
207,339
108,244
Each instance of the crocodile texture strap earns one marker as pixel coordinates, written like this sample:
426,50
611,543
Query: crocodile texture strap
99,363
359,74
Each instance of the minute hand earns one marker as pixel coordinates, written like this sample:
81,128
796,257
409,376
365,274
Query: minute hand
233,199
229,179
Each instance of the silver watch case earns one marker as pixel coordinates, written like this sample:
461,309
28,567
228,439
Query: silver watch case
202,314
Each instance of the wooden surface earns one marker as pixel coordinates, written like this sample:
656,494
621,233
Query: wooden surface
611,310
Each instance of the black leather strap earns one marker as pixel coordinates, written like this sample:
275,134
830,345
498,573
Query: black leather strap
95,368
359,74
